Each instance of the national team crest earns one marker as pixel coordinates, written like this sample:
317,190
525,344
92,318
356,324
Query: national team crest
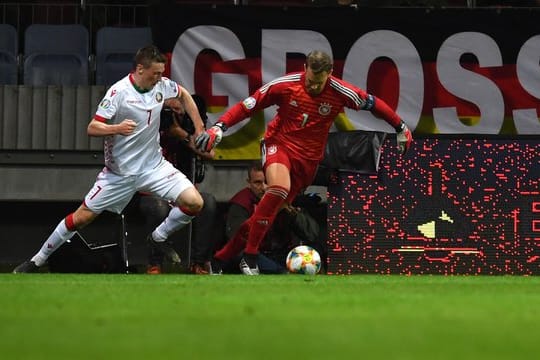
159,96
272,150
325,108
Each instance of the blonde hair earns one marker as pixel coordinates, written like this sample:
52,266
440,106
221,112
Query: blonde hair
319,61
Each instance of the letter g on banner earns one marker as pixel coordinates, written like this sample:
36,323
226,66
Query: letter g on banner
217,38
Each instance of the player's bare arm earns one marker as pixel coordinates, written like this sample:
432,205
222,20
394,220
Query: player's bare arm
99,128
191,108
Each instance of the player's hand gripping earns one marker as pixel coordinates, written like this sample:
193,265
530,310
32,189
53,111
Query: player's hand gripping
126,127
404,138
209,139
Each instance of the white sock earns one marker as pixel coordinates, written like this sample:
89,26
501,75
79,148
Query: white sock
57,238
173,222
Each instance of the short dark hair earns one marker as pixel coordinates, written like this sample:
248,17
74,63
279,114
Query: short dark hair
319,61
253,167
148,55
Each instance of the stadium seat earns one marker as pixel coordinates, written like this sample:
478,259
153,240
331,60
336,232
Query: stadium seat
9,50
115,49
56,55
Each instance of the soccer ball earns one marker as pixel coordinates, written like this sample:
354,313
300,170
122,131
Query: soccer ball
303,259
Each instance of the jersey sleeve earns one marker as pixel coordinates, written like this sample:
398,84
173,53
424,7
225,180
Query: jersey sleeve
359,99
108,106
171,88
381,110
259,100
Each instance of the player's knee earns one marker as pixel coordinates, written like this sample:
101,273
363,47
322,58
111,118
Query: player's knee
191,205
196,206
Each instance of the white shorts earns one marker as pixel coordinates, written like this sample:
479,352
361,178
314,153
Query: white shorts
113,192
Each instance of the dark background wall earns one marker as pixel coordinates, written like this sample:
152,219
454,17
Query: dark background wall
37,190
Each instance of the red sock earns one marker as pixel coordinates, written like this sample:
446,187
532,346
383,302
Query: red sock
236,244
70,224
264,215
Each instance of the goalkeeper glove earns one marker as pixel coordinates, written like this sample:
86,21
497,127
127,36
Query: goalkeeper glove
404,138
209,139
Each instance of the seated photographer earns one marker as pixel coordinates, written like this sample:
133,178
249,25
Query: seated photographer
293,226
176,130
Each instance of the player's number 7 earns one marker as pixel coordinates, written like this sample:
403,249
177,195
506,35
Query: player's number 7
305,117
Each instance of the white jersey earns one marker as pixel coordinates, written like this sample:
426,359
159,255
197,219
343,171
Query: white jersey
140,151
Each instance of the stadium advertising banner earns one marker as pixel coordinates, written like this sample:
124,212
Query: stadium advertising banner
451,206
445,71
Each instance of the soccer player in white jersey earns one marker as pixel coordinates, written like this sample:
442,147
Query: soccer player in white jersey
128,118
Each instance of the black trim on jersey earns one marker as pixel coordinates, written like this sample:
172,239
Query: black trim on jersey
348,92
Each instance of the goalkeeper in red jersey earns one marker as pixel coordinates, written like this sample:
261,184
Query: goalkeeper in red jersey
294,141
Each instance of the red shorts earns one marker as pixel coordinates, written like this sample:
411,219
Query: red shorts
302,171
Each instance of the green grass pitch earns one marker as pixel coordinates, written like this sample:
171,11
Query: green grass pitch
69,316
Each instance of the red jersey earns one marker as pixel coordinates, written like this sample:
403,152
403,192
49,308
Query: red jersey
246,199
302,121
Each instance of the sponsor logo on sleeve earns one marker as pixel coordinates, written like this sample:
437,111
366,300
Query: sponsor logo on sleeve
272,149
